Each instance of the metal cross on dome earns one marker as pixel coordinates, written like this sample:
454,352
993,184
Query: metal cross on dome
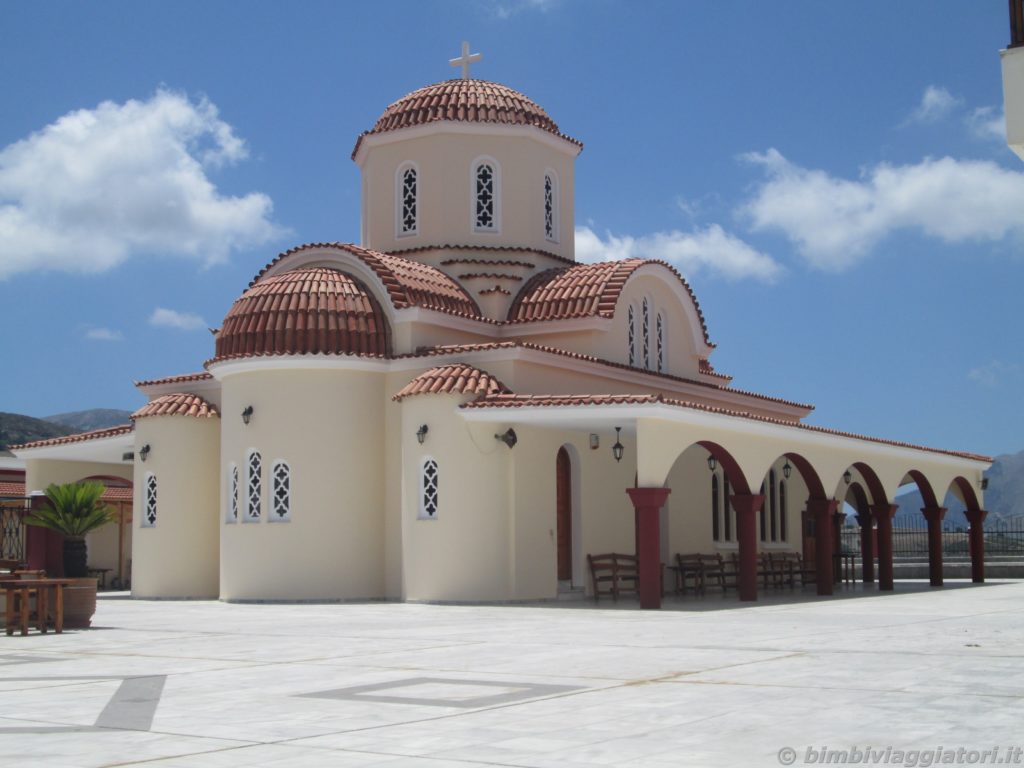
465,60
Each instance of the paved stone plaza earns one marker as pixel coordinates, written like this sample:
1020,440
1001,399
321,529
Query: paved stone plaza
704,682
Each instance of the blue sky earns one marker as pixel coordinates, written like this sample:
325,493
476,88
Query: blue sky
830,177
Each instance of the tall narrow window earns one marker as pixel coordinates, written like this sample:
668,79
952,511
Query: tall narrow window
726,507
716,523
631,333
408,190
428,490
764,527
660,342
485,218
149,516
645,312
782,510
233,494
550,207
254,485
773,506
281,492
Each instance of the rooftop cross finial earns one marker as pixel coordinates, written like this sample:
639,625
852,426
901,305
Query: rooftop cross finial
465,60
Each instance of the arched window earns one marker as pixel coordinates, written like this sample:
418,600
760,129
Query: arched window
716,523
232,493
645,321
727,509
660,342
782,510
550,207
254,486
631,333
486,196
773,517
428,490
407,203
281,492
149,506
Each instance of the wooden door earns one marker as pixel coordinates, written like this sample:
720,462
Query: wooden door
564,515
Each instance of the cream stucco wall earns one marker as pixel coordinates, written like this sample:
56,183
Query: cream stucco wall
39,473
1013,97
178,556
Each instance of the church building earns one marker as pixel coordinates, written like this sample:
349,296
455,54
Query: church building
455,409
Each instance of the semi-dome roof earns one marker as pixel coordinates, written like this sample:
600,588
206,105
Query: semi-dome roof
470,101
313,310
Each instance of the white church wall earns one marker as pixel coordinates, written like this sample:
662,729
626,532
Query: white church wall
328,426
392,480
178,556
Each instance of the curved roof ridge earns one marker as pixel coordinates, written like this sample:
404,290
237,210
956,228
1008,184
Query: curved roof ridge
179,378
78,437
506,248
454,378
177,404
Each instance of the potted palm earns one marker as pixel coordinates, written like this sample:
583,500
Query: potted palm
73,510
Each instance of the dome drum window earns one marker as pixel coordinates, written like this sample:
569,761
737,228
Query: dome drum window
408,201
631,333
646,328
550,208
486,216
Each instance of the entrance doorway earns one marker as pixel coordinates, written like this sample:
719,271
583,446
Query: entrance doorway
563,525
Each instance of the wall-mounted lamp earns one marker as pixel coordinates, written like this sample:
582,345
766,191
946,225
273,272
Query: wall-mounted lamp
847,476
712,462
128,456
595,441
421,433
247,414
618,448
787,470
508,437
144,451
984,483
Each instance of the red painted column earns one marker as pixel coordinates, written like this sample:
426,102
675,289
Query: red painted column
976,538
884,514
867,546
838,521
648,503
823,510
934,517
747,507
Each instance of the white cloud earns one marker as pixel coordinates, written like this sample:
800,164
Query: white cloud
708,250
100,186
994,373
988,123
169,318
835,222
936,104
103,334
506,9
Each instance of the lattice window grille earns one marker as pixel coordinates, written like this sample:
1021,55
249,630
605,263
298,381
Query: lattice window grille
660,339
409,212
255,476
485,218
549,208
149,514
430,482
281,497
631,330
646,323
233,501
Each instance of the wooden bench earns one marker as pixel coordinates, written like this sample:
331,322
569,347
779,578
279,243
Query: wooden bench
690,568
613,574
722,571
791,566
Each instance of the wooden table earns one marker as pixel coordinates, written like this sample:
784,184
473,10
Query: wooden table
18,592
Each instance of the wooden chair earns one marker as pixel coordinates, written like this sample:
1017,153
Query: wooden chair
721,571
613,574
690,568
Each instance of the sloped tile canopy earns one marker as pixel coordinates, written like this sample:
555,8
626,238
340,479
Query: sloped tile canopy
314,310
457,378
468,101
177,404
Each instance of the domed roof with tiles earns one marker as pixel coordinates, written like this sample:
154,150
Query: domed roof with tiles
314,310
467,101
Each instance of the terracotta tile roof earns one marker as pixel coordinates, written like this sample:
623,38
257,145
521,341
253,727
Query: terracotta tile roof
110,494
494,248
489,276
549,401
708,370
181,378
495,289
81,437
490,263
585,290
464,101
408,283
457,378
178,404
12,489
313,310
462,348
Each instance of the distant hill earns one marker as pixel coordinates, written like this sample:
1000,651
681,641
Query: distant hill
15,429
97,418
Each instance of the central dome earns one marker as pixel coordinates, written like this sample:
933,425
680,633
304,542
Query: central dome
468,101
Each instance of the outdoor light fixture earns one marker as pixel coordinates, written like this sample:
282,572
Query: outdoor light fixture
847,476
144,451
984,483
595,441
618,448
421,433
787,470
508,437
712,462
247,414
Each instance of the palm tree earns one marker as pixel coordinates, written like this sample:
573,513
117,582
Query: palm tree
73,509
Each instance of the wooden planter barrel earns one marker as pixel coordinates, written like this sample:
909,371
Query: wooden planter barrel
79,603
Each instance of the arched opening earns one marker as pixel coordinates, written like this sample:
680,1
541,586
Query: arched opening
915,538
958,541
818,530
861,492
568,531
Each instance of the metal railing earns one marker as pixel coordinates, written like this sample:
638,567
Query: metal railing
910,537
12,528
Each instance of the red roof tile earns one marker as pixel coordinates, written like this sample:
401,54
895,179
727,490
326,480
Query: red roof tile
549,401
184,377
464,101
178,404
584,290
12,489
457,378
495,289
81,437
489,276
490,263
312,310
109,494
